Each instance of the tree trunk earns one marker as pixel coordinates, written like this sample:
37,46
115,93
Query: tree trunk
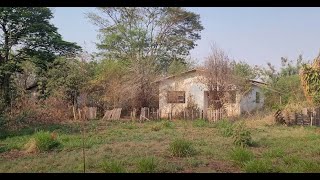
6,89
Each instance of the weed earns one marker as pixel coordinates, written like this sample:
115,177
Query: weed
113,167
181,148
225,128
260,166
200,123
241,135
241,155
42,141
147,165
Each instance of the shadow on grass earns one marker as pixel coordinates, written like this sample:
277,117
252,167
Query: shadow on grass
32,128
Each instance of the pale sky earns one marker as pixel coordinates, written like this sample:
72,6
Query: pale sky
256,35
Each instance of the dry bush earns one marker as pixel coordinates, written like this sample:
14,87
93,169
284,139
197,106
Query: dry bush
260,119
27,111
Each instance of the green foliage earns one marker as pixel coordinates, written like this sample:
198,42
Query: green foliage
291,91
241,155
225,127
177,67
68,75
284,82
311,80
147,165
181,148
28,35
243,70
241,135
113,167
200,123
162,34
43,141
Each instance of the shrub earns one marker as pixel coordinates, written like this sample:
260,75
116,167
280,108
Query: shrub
225,128
241,155
181,148
241,136
113,167
156,128
200,123
147,165
42,141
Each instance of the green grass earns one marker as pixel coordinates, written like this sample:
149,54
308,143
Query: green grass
182,148
225,128
200,123
113,167
44,141
179,146
261,166
147,165
241,155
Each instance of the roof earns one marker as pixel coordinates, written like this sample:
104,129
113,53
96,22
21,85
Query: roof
254,81
172,76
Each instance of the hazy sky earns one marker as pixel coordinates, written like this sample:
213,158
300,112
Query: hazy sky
256,35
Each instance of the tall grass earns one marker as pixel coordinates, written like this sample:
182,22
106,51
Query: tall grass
241,155
147,165
113,167
182,148
42,141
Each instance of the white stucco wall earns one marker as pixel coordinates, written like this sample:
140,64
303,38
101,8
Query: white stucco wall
248,102
190,84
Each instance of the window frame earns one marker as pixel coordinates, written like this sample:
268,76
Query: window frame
176,97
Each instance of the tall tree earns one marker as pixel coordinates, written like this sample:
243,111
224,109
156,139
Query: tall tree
163,33
27,35
147,40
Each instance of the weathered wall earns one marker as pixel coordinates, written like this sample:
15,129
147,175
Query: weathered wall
248,102
190,83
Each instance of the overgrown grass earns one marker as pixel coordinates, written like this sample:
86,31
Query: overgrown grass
261,166
182,148
147,165
113,166
225,128
241,155
168,124
42,141
125,146
200,123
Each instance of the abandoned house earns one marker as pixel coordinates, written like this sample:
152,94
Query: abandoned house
179,92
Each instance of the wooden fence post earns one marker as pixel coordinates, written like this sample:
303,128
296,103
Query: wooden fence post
192,114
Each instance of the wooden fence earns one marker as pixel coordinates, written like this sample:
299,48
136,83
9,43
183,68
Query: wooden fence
305,117
113,114
186,114
214,115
